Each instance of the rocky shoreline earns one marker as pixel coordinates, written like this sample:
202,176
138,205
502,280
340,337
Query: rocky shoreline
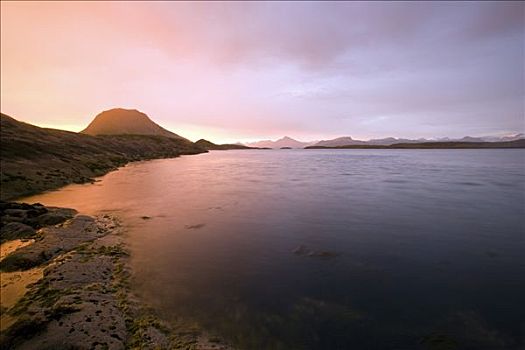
33,159
69,279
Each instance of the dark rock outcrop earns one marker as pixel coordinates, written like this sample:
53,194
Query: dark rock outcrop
21,220
51,242
16,230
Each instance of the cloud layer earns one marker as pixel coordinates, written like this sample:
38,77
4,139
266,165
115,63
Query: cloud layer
238,71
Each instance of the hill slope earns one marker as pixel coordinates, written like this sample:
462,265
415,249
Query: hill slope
120,121
282,142
210,146
339,141
34,159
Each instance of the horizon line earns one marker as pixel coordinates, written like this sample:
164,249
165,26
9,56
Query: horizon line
77,129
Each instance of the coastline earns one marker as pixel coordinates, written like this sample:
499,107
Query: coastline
65,276
66,180
70,286
35,178
34,159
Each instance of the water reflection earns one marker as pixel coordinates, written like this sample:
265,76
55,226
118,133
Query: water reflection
428,244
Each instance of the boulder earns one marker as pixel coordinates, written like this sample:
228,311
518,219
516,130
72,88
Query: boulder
19,213
16,230
53,216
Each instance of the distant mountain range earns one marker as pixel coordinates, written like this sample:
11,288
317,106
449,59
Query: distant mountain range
286,141
520,143
349,141
120,121
210,146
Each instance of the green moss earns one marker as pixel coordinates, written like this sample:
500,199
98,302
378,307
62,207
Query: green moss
43,296
114,251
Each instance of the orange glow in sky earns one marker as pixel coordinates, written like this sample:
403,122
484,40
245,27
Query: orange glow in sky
237,71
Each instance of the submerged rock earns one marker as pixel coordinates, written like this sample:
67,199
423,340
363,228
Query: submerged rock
195,227
302,250
323,254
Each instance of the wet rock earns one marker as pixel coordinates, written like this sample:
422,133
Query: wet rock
7,219
16,230
18,213
34,215
54,217
323,254
54,241
84,300
13,205
18,262
50,219
36,211
75,304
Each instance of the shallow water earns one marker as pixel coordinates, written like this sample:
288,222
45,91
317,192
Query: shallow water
394,249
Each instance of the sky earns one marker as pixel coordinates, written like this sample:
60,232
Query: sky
244,71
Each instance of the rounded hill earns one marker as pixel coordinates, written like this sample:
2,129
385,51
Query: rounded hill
120,121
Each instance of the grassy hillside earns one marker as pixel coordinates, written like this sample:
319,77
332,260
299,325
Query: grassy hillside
434,145
34,159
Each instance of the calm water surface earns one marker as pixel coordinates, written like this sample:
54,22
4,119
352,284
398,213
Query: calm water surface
394,249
